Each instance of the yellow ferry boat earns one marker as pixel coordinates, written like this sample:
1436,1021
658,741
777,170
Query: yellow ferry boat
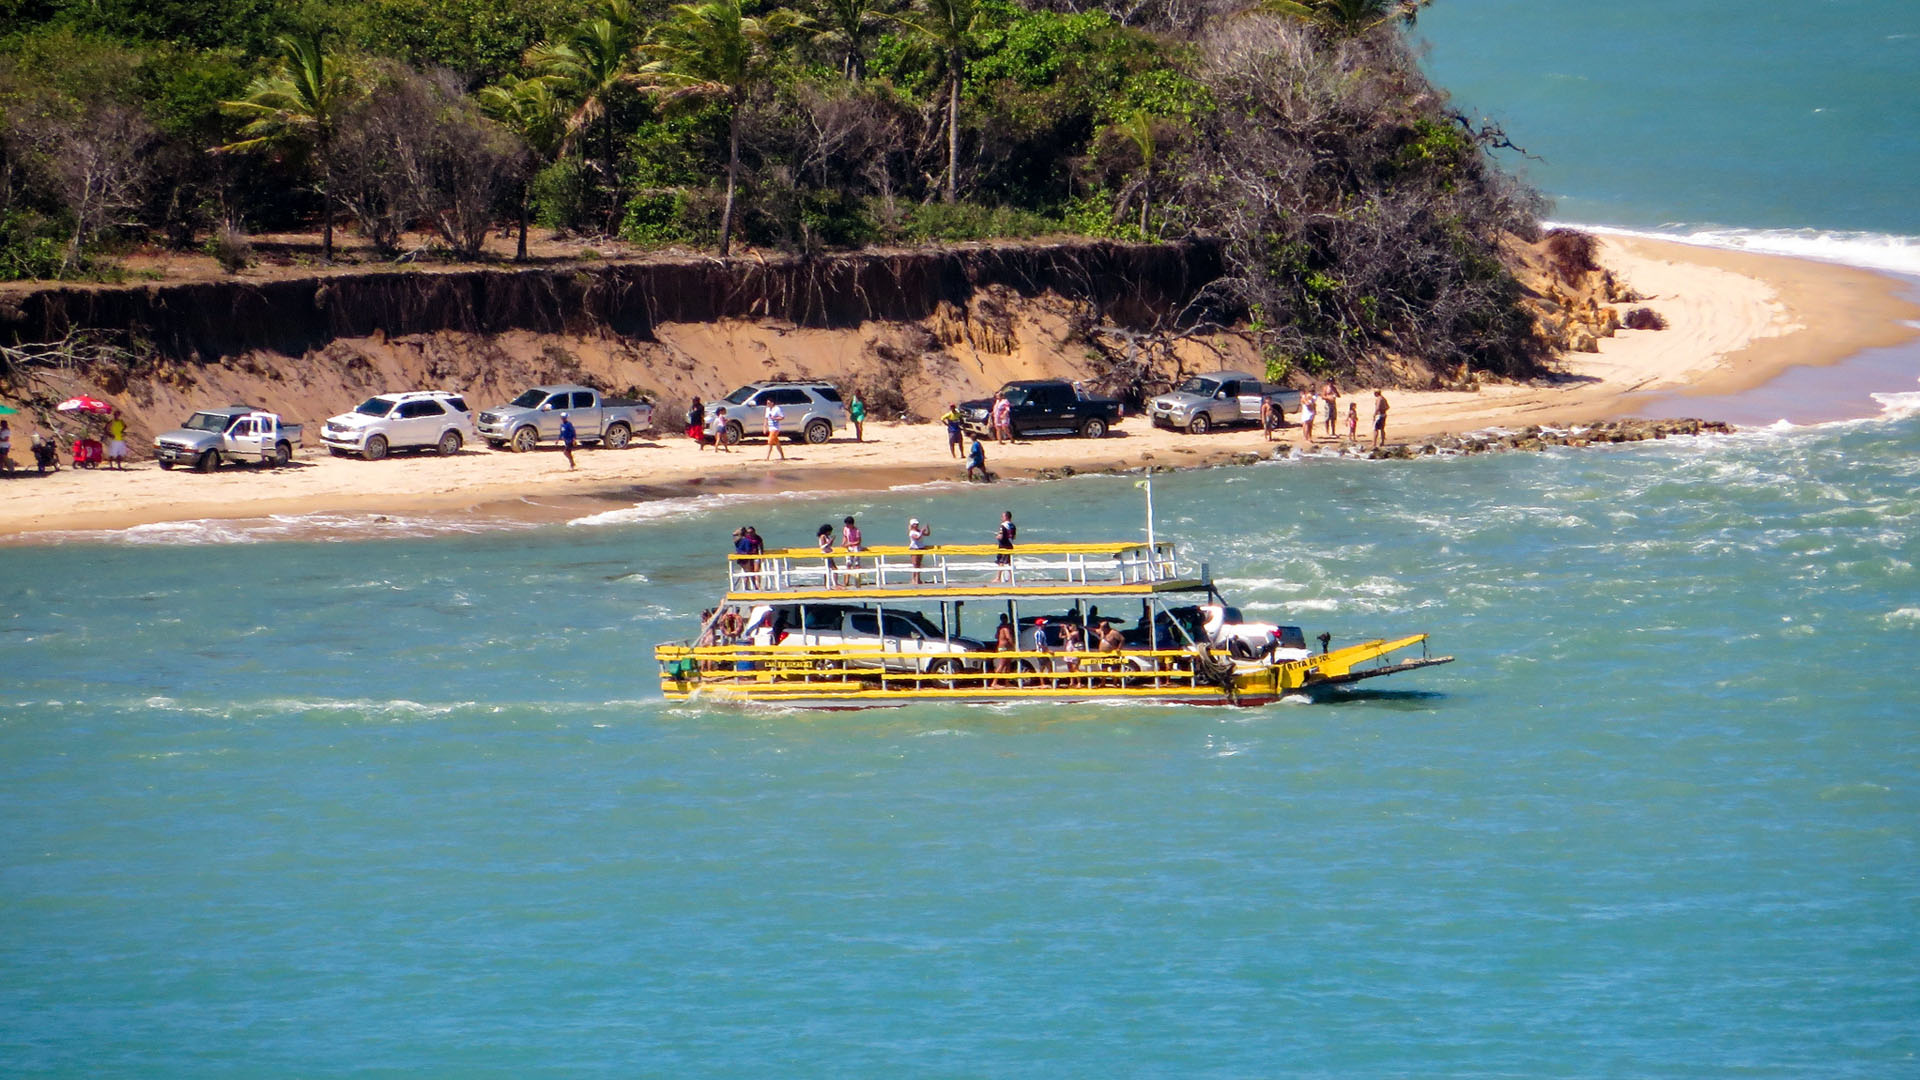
891,625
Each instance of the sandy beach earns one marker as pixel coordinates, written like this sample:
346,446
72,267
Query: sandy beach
1735,321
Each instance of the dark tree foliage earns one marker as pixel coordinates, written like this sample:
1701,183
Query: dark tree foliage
1363,220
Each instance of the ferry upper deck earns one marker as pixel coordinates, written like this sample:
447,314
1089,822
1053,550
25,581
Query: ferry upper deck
1127,568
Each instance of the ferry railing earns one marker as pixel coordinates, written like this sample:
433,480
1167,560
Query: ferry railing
952,565
766,666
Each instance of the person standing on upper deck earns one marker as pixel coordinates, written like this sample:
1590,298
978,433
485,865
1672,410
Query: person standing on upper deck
917,542
1003,539
850,538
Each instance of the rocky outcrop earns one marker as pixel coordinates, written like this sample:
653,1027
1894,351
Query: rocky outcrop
1539,438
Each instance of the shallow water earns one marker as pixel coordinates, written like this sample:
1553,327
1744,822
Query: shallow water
413,804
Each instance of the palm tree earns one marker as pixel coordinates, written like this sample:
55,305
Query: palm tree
848,24
587,67
1346,18
532,110
948,24
711,50
299,101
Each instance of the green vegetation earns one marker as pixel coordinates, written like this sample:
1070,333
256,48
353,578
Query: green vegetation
1360,217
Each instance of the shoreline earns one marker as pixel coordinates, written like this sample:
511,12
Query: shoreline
1736,321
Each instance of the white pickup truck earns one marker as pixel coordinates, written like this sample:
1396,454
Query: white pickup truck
534,417
235,433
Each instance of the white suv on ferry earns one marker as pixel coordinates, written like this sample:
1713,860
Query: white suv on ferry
415,418
921,644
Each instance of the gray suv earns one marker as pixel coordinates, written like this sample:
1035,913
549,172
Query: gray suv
811,410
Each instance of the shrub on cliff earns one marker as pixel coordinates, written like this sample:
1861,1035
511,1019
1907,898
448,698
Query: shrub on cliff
1360,219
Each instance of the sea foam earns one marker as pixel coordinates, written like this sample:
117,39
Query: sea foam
1873,251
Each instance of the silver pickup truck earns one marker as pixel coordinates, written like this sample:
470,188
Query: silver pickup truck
235,433
1219,399
534,417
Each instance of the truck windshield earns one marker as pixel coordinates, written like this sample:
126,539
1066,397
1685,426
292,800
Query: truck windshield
740,396
375,406
1017,397
1199,386
207,421
530,400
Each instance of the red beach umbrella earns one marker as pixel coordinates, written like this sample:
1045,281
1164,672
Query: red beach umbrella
85,404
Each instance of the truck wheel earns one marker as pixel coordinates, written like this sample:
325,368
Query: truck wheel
208,462
282,453
374,448
819,431
1094,428
616,437
450,443
525,439
1200,424
943,672
735,433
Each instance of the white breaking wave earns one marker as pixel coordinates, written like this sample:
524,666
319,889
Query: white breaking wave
1873,251
321,526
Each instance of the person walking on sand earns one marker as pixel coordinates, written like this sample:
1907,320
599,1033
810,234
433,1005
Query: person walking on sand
977,460
1379,419
1353,420
1003,539
116,443
720,438
775,414
857,412
1002,419
916,543
1330,407
952,420
697,423
568,436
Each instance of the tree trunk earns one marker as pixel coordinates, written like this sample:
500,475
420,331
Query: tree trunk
953,128
326,201
526,204
733,170
1146,204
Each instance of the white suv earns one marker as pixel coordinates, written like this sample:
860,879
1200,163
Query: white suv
436,418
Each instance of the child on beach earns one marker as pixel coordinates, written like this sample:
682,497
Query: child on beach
775,414
1353,419
1269,418
851,539
720,440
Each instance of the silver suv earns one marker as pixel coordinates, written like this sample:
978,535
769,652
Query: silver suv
435,418
812,409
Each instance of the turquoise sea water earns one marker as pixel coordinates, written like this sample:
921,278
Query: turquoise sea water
1779,127
411,806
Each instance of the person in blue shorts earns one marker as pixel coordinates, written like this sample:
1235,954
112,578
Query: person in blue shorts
977,459
568,436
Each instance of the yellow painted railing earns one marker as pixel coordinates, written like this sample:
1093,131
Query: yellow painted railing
950,566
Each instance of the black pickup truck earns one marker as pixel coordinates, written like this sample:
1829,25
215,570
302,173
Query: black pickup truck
1045,407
